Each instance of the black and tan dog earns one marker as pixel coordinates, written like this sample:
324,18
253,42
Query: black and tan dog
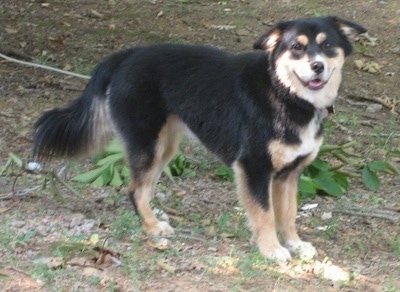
261,113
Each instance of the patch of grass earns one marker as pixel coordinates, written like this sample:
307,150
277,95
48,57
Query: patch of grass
331,229
232,224
83,67
391,285
51,276
124,225
394,242
225,173
6,236
254,265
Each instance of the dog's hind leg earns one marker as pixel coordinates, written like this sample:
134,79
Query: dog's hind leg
144,178
261,217
284,192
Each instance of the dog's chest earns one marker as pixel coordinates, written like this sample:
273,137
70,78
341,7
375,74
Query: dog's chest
284,154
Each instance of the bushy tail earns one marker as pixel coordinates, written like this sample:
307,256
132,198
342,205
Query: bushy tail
82,127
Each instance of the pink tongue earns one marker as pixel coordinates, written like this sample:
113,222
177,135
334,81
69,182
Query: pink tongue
315,83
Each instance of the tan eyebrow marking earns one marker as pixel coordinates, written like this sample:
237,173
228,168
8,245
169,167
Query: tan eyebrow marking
321,37
302,39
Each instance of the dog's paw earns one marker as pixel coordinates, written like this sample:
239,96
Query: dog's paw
278,254
305,250
161,228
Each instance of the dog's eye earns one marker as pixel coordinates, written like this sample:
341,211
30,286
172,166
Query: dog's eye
326,45
298,47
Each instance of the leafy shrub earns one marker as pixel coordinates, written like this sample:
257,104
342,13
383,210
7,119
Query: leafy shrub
321,176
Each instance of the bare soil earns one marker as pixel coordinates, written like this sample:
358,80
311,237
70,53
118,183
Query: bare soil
47,245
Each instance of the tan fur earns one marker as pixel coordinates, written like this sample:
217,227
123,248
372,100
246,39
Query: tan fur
283,154
101,125
302,39
321,37
273,40
284,197
261,221
167,146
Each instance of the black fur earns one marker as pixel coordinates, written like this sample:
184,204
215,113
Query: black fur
234,103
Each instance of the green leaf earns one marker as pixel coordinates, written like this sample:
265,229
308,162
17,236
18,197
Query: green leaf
342,180
100,181
110,159
168,172
383,166
306,185
371,180
125,172
225,172
18,161
325,182
115,146
116,179
90,176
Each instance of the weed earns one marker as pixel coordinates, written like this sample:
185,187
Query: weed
224,173
124,225
331,228
394,242
253,265
349,251
47,275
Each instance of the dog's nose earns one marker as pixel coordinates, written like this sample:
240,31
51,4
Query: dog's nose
317,67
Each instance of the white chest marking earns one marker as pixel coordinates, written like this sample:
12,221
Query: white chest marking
283,154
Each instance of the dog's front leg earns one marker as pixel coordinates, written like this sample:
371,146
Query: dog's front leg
284,197
261,216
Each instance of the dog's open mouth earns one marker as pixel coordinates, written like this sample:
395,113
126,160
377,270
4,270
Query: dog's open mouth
315,84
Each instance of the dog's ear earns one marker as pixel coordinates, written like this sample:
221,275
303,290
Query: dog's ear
269,40
349,29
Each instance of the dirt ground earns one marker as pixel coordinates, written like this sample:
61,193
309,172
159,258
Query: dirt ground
47,245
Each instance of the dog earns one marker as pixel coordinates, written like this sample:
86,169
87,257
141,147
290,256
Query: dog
261,112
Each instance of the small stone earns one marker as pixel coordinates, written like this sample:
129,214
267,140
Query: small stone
326,215
373,108
76,219
18,224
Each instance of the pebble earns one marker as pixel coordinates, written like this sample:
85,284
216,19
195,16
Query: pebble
18,223
373,108
76,219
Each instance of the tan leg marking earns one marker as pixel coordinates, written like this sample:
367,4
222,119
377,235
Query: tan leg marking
285,206
284,193
167,145
262,222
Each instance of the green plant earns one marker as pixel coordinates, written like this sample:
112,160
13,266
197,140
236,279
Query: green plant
179,166
225,173
322,176
49,176
124,225
394,242
112,170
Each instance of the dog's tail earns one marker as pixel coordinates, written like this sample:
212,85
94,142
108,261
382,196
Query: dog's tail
82,127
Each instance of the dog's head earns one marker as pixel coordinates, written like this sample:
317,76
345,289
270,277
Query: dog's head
307,55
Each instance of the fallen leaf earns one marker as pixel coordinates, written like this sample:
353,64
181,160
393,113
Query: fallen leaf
309,206
223,27
227,235
92,272
159,244
169,268
11,30
51,262
95,14
242,32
